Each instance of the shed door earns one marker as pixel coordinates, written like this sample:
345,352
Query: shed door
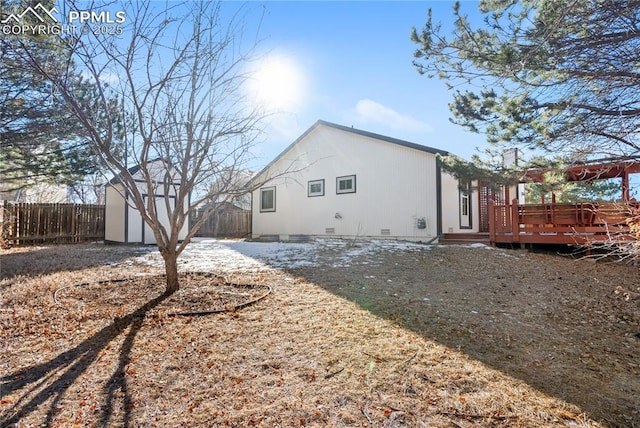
163,216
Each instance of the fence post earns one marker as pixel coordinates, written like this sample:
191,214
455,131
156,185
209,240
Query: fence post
492,222
515,221
4,225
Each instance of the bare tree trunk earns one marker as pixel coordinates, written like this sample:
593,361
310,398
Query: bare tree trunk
171,270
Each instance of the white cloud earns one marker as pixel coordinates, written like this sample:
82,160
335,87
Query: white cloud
367,111
107,77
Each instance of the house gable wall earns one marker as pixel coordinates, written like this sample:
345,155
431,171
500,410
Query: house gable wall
395,186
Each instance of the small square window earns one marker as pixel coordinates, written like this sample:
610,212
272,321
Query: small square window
315,188
268,199
346,184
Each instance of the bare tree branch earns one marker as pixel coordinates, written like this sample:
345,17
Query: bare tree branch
171,101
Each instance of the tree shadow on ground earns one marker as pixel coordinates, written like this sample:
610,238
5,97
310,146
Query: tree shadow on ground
547,326
46,260
67,367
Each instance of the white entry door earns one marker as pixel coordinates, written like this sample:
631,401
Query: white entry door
465,207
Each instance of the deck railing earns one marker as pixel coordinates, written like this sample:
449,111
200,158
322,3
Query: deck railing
556,223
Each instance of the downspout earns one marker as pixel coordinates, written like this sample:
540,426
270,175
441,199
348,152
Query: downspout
438,204
438,198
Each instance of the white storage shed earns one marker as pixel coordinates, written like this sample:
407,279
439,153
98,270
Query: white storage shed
123,222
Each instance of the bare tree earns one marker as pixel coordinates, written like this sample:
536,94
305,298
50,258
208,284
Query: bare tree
170,89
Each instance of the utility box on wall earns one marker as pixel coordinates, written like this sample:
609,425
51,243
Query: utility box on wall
123,221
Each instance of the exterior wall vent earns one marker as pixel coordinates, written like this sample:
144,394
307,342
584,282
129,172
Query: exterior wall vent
299,238
385,232
268,238
330,231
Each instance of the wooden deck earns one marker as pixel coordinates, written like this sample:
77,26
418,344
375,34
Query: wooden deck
581,223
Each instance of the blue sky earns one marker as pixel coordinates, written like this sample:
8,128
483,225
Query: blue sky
348,62
355,59
353,66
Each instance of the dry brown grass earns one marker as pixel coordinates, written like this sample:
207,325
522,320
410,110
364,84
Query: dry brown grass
300,357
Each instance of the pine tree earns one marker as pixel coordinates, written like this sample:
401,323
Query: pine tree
40,138
555,76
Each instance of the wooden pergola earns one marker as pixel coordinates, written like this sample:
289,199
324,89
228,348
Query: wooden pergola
593,171
582,223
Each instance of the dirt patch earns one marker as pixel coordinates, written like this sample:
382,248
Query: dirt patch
440,337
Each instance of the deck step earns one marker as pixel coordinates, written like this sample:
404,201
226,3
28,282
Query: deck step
465,238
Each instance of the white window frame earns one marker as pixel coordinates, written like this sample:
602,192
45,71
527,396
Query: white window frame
352,189
273,207
314,182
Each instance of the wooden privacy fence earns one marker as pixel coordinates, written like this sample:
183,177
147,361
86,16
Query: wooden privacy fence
31,223
226,224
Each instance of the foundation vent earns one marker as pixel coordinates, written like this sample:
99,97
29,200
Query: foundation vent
330,231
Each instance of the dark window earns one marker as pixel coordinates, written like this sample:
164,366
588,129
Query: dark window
268,199
315,188
346,184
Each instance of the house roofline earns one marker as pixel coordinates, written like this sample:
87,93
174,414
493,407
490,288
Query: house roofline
356,131
391,140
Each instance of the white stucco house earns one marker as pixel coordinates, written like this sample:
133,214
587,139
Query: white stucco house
123,222
337,181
